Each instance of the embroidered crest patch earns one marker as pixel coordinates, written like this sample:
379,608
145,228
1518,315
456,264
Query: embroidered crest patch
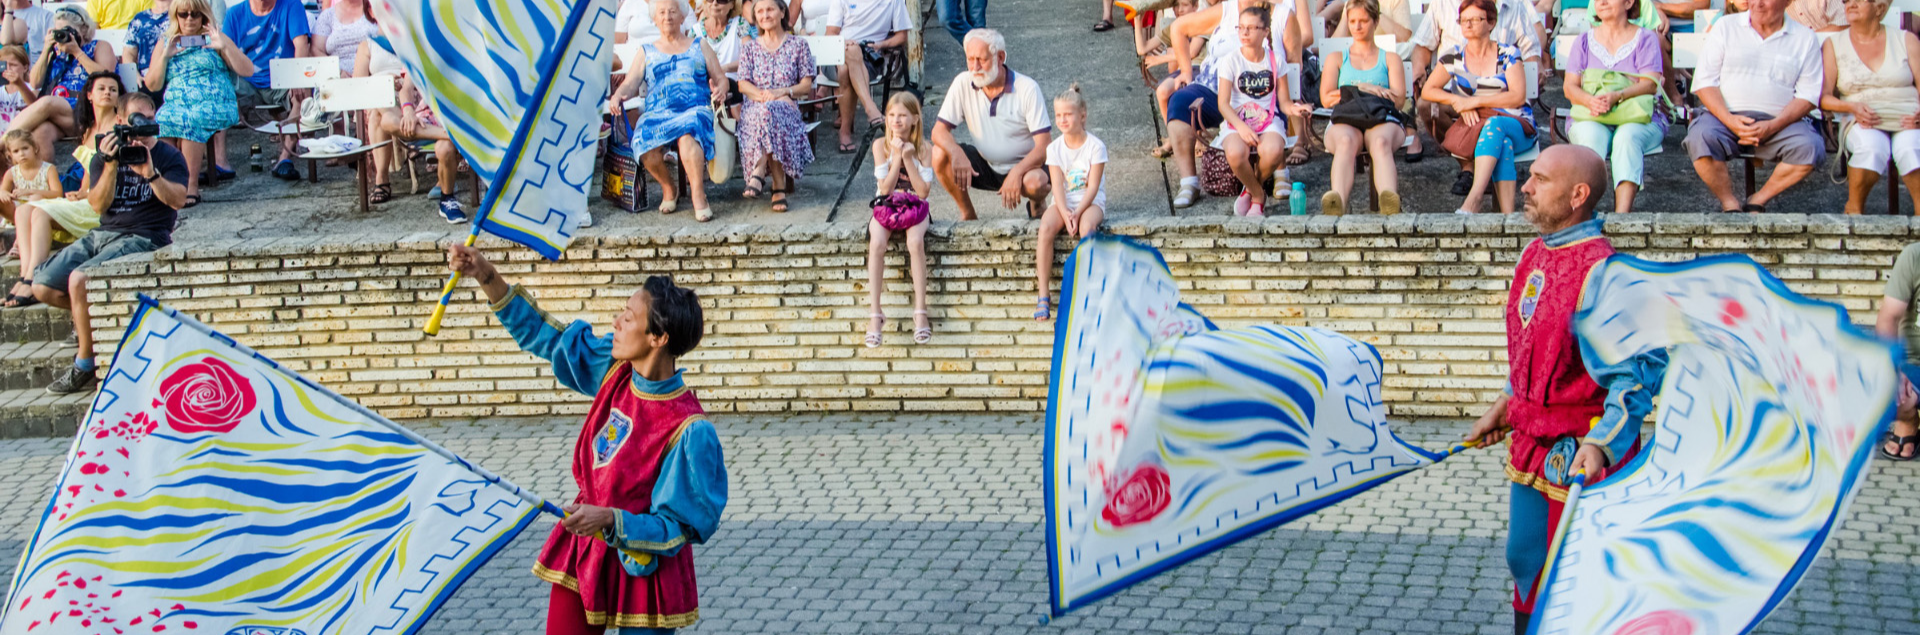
612,436
1530,295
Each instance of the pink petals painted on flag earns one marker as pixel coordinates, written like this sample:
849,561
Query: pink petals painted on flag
1140,498
206,396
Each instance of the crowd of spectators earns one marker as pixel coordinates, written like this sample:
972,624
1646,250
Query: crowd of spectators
1246,87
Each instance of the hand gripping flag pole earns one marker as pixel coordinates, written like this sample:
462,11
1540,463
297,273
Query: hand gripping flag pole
446,292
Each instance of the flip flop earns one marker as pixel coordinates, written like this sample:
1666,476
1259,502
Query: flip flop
1103,26
848,147
1902,443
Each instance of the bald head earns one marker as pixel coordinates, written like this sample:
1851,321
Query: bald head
1565,187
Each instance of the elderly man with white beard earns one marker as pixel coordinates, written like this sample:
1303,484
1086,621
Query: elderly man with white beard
1006,116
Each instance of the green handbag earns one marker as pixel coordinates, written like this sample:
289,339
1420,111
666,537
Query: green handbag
1598,81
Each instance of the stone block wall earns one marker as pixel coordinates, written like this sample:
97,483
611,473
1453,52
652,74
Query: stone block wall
786,306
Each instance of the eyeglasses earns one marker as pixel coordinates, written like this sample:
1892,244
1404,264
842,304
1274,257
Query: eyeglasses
190,14
1467,21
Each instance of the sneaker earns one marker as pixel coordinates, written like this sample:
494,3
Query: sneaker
1241,204
72,341
217,175
586,219
286,172
434,193
1463,184
451,210
72,381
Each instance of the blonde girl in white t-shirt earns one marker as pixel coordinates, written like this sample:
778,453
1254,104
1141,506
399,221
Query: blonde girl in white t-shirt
1077,162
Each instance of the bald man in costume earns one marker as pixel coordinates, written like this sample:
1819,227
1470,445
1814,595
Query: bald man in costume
652,480
1559,416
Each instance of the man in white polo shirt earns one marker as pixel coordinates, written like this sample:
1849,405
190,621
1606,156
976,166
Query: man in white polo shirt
869,27
1007,117
1760,75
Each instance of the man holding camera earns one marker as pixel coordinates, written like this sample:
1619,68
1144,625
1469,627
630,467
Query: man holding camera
138,207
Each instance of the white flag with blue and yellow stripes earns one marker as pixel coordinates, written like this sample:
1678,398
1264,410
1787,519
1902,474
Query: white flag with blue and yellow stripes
519,85
212,491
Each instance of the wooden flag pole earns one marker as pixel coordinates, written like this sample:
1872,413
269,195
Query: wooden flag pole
446,293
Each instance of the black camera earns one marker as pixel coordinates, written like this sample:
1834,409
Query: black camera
138,126
65,35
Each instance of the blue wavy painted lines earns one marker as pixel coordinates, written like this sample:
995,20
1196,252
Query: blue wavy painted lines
1760,441
211,491
1168,438
519,85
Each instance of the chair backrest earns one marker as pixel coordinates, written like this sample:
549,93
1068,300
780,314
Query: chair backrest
1717,5
1418,20
1333,45
1574,22
1386,41
116,37
129,74
1293,81
624,51
1703,20
1533,86
1686,49
303,72
828,50
1561,51
357,93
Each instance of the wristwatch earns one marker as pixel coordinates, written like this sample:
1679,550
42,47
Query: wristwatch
155,177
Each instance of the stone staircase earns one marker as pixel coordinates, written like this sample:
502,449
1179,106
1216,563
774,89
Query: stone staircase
32,351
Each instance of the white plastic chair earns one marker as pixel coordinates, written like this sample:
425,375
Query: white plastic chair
353,96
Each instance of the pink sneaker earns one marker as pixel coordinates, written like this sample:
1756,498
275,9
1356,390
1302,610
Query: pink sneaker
1241,204
1257,211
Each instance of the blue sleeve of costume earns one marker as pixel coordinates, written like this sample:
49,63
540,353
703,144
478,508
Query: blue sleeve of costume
580,360
1631,386
687,503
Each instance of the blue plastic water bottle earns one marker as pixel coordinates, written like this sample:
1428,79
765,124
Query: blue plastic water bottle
1299,199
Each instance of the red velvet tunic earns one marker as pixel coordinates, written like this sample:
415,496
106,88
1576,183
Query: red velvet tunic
616,462
1553,396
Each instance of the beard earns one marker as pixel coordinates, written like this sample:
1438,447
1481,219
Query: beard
983,80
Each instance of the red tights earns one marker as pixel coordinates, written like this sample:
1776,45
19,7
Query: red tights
566,615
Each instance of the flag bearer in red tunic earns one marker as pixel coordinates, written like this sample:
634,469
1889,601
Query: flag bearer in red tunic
1559,416
652,480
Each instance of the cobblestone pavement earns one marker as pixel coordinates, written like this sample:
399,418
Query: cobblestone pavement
931,524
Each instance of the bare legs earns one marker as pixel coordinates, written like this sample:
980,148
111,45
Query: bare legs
853,87
1860,183
1250,175
1344,142
1714,174
1050,227
877,239
47,118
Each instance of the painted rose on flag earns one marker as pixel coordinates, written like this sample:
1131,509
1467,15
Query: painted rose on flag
1139,498
206,396
1659,623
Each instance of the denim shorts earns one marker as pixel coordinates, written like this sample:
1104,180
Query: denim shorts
96,247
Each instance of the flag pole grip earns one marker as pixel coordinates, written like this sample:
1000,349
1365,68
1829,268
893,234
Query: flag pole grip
446,292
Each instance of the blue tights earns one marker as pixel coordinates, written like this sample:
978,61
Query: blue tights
1500,139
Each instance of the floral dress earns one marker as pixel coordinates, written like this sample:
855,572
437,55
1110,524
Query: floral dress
679,102
68,75
775,126
199,98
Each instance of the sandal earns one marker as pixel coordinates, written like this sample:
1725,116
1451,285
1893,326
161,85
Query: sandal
922,334
1185,198
1751,208
703,215
1161,152
873,332
1040,311
1103,26
780,202
192,200
381,193
16,301
1300,155
668,205
848,147
1904,443
755,185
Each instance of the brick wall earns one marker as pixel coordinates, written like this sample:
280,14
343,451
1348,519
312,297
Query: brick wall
786,306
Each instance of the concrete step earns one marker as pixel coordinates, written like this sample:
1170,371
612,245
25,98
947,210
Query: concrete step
31,412
37,323
32,364
9,272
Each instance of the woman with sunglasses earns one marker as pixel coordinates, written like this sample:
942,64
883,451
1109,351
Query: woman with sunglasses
193,63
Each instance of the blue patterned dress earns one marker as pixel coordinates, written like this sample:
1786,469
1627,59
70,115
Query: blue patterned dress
679,102
199,100
67,76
